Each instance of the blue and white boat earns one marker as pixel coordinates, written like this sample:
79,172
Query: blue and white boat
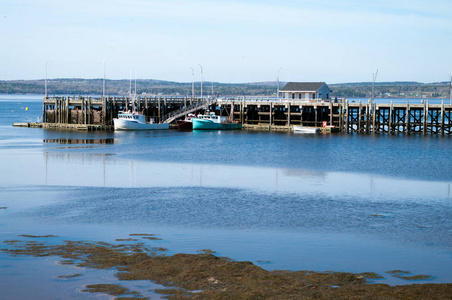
214,122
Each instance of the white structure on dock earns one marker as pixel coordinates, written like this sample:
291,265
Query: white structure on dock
306,91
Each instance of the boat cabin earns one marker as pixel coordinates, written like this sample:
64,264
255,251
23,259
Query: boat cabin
214,118
132,116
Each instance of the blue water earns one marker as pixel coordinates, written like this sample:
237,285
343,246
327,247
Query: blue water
352,203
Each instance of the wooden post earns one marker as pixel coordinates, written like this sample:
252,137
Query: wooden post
288,114
368,107
271,114
44,111
316,115
424,129
244,116
67,111
164,109
390,118
442,117
359,116
374,115
59,111
89,110
300,107
347,112
82,104
331,113
112,108
407,118
158,110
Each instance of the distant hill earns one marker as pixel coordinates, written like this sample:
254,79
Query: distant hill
77,86
398,89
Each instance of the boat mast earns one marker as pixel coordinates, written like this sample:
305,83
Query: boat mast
135,93
201,80
192,84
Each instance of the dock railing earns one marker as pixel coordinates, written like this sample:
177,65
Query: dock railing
172,116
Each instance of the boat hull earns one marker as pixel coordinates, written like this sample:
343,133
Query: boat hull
184,125
120,124
305,130
201,124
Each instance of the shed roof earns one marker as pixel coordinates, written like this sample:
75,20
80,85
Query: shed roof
303,86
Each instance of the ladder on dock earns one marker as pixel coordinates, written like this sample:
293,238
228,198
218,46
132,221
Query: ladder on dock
174,115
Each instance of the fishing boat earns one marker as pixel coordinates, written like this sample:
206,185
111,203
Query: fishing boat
186,124
127,120
214,122
305,130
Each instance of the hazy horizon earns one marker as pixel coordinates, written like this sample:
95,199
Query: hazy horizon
219,82
234,41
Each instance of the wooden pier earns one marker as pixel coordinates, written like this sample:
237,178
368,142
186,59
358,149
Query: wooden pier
256,113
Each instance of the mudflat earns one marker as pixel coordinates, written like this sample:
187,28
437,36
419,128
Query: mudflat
207,276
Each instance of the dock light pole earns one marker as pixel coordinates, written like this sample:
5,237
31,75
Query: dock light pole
201,80
45,83
374,77
450,92
192,83
277,95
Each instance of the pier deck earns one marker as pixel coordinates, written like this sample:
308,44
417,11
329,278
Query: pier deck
256,113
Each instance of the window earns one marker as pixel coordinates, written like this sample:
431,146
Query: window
293,95
299,96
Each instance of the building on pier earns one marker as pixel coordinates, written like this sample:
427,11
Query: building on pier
306,91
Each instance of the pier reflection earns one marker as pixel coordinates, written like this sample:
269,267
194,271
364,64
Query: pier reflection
104,170
70,141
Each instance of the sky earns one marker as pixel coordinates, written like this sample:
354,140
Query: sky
335,41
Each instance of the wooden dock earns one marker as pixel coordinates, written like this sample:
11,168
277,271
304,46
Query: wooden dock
255,113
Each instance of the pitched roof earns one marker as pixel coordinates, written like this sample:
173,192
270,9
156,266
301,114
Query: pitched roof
302,86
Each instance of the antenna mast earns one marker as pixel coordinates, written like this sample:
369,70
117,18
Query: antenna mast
374,77
450,91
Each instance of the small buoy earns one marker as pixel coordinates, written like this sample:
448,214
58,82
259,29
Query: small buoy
26,108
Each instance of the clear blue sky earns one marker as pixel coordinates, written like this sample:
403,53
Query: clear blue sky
234,41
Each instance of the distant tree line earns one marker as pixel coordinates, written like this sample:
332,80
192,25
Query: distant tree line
150,86
123,87
392,90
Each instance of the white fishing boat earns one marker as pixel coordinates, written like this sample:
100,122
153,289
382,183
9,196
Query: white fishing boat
136,121
305,130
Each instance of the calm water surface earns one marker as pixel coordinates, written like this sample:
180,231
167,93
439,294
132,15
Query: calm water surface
350,203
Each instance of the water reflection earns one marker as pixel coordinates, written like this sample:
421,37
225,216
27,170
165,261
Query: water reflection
68,141
100,169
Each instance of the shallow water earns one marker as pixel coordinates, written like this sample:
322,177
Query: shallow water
350,203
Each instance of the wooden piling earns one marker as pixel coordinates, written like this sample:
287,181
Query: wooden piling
442,118
391,107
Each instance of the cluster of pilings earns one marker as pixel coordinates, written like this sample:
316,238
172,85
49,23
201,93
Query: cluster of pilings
344,116
101,111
